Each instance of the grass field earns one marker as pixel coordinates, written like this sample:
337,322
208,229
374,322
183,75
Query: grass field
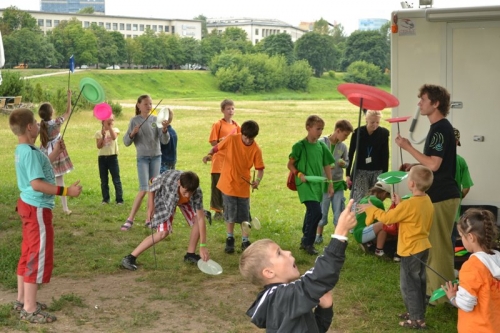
90,245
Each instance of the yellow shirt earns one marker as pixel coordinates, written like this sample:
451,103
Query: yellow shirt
415,219
110,146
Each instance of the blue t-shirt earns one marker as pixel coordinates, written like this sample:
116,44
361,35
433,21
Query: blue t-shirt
169,151
32,164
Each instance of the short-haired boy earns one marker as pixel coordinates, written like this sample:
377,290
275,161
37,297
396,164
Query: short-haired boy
220,130
311,157
170,190
336,145
242,153
36,181
290,302
415,219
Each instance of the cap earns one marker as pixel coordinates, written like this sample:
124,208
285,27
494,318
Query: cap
457,135
383,186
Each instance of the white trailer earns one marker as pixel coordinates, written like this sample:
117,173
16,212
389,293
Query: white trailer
458,48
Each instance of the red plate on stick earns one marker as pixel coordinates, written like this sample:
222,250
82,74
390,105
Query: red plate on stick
373,98
398,119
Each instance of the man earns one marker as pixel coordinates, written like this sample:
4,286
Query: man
440,155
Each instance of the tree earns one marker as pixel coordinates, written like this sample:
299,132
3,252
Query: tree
133,52
15,19
191,50
236,39
151,50
107,51
370,46
322,27
23,46
319,50
121,46
171,52
203,19
280,44
87,10
210,46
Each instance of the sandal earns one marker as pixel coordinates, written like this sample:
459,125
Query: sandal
18,306
414,324
37,317
127,225
404,316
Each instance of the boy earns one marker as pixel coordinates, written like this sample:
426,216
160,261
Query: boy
310,157
415,219
290,303
241,154
170,190
169,150
220,130
36,181
335,143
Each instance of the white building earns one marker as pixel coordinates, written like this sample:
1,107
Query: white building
256,29
130,27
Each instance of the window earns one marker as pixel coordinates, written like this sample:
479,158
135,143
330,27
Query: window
56,23
122,26
154,27
256,32
160,28
134,27
115,26
167,28
141,27
129,26
86,24
48,23
40,22
101,24
108,26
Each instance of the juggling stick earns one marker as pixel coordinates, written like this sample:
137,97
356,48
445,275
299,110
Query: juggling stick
429,267
150,113
72,109
398,120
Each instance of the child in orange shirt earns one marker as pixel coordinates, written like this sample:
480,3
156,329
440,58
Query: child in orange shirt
220,130
242,153
478,295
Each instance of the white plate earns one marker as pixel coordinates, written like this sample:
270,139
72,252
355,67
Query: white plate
255,223
209,267
163,114
246,227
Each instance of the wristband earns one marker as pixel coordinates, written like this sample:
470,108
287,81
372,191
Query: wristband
452,299
65,191
60,190
340,237
203,245
298,174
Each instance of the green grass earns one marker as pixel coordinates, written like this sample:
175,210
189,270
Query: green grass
89,243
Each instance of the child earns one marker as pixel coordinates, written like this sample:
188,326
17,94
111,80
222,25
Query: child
478,295
108,160
221,129
49,135
414,216
290,303
241,153
335,143
146,136
169,151
35,179
310,157
168,191
364,234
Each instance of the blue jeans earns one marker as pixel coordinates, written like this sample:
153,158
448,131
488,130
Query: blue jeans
167,166
311,220
413,284
110,163
338,205
147,168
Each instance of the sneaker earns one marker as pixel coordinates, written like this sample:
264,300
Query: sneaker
229,245
319,239
192,258
396,258
218,216
309,249
104,203
379,253
128,262
245,244
120,203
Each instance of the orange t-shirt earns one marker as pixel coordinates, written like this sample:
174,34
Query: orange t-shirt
220,130
239,159
182,200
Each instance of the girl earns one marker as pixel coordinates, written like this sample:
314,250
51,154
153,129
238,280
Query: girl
146,136
49,135
373,155
478,295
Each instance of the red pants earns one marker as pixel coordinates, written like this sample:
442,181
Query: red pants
37,249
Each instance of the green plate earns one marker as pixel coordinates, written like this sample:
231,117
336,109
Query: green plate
438,293
392,177
92,91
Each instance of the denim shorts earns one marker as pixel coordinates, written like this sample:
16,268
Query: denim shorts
368,234
147,168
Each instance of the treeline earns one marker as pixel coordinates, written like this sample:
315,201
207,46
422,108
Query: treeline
275,62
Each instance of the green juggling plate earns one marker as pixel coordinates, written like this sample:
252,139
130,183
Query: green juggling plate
438,293
392,177
92,90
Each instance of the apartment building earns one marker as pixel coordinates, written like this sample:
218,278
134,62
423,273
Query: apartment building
72,6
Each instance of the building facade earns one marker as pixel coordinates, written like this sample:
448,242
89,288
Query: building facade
256,29
371,24
72,6
130,27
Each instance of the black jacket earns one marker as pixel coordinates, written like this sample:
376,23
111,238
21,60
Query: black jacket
288,308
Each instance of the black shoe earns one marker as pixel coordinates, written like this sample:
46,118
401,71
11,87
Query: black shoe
191,258
128,262
245,244
309,249
229,245
208,216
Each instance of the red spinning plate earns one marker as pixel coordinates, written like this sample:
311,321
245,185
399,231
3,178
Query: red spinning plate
373,98
398,119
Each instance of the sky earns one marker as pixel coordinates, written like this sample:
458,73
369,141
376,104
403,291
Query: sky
346,12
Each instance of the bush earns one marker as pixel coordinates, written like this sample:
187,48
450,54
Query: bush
365,73
299,75
225,60
331,74
12,84
116,107
233,79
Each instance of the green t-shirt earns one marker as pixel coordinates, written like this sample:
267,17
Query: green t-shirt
463,179
310,159
361,218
